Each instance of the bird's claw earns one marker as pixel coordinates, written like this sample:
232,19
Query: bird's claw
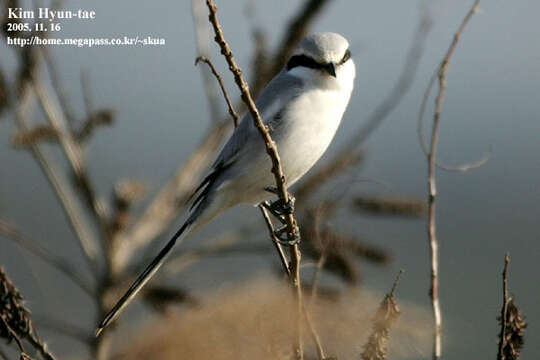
285,238
279,208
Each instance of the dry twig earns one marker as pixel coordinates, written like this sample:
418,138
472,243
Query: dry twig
233,113
272,151
512,323
388,312
15,321
432,191
442,88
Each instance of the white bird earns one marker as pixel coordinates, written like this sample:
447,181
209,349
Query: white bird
303,106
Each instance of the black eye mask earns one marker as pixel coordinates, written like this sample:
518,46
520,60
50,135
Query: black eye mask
306,61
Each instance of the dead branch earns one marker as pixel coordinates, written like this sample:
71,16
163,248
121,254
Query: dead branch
15,321
64,192
437,74
432,191
203,43
272,151
388,312
504,310
233,113
72,151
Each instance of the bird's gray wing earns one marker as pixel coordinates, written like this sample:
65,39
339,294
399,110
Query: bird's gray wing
271,104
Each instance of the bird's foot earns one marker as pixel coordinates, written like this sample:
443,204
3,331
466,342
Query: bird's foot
285,238
279,208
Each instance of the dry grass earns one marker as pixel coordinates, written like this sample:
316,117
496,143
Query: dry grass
255,321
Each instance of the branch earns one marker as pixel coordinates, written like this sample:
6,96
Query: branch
432,191
272,151
203,42
504,310
72,151
442,68
63,191
233,113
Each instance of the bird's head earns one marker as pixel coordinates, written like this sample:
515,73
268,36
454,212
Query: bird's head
325,54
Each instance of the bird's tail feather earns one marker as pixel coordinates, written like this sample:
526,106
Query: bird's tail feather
143,278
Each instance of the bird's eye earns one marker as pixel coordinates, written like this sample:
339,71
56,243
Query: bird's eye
346,57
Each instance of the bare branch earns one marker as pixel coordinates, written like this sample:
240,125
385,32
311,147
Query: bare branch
233,113
64,192
504,309
72,151
58,86
203,42
432,191
444,64
272,151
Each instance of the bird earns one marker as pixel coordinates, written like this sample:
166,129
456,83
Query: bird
302,106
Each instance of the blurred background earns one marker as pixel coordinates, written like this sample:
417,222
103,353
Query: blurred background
161,115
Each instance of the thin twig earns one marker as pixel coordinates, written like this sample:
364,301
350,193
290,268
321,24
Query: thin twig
432,191
203,43
87,93
233,113
272,151
63,191
322,258
504,310
444,64
71,149
58,86
314,335
12,233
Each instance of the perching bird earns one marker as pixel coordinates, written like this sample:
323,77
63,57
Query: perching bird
303,106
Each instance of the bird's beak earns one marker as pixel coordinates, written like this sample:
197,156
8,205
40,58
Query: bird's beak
331,69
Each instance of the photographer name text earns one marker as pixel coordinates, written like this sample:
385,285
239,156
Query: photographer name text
51,15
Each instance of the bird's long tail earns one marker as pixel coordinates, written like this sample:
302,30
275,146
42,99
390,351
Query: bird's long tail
143,278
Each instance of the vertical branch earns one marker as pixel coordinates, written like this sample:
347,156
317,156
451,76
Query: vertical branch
202,40
272,151
64,193
504,310
432,190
